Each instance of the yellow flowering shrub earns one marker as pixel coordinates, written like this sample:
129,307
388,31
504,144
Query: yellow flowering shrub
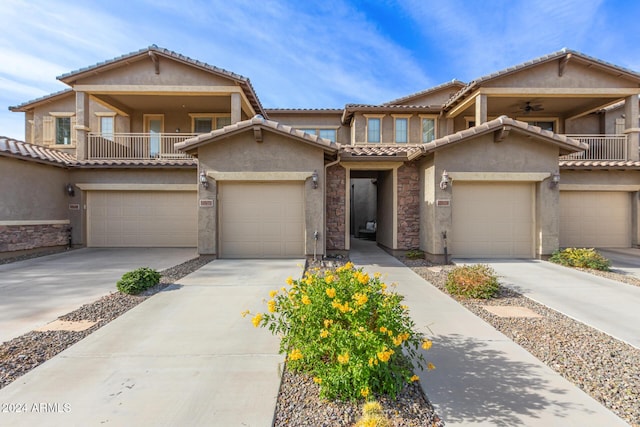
582,258
347,331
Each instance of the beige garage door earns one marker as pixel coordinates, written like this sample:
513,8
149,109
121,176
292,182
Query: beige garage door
261,220
142,219
492,220
595,219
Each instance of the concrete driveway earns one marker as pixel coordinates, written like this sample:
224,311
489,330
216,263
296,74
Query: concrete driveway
607,305
35,292
623,260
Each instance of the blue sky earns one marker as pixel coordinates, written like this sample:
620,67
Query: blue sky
307,54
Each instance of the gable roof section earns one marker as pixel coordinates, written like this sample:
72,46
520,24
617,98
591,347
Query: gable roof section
599,164
25,106
25,151
567,145
567,53
257,123
380,152
453,83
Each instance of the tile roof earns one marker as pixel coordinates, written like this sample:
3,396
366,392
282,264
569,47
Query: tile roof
567,145
454,82
545,58
23,150
260,121
377,150
602,164
46,98
305,110
138,163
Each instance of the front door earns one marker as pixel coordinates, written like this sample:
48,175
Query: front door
154,126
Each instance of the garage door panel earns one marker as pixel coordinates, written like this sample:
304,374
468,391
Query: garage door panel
261,220
141,219
492,220
595,219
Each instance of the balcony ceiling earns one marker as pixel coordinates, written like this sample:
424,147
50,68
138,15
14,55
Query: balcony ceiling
167,103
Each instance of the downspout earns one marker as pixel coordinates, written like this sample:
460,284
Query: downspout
324,203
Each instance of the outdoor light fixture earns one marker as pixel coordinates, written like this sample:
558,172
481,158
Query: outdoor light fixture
70,190
555,179
444,183
314,179
203,179
177,130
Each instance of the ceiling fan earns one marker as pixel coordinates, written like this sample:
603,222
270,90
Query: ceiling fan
528,107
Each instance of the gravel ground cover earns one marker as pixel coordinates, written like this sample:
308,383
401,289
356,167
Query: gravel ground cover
605,368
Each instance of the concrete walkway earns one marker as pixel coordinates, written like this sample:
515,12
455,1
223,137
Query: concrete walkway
183,357
482,378
35,292
607,305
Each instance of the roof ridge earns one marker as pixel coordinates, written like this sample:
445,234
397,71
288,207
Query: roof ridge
425,91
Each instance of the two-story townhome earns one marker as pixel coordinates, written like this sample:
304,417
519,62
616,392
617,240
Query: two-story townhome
156,149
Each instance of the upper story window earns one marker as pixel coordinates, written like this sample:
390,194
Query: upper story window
107,125
57,128
330,134
206,122
374,128
401,129
428,125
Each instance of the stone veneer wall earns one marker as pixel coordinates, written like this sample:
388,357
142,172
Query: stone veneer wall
408,207
336,205
26,237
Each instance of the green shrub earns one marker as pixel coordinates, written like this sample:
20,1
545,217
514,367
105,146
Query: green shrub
372,416
415,254
136,281
346,330
473,281
581,257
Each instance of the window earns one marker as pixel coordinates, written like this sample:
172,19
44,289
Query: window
373,129
330,134
106,127
223,121
202,124
542,125
206,122
63,131
428,129
309,131
401,125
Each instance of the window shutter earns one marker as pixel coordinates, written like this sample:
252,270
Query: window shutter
47,130
73,130
619,126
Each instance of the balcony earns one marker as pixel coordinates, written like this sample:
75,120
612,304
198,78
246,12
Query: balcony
136,146
601,147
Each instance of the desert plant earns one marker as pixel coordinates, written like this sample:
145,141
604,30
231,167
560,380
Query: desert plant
473,281
348,331
138,280
581,257
415,254
372,416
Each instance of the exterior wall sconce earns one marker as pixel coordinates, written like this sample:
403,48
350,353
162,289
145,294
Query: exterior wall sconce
70,190
314,179
555,180
203,179
177,130
444,183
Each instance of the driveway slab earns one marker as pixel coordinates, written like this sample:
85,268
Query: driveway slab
35,292
607,305
183,357
623,260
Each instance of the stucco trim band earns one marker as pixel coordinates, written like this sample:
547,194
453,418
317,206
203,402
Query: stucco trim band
596,187
499,176
259,176
37,222
137,187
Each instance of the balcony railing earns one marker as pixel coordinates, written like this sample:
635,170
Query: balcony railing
601,147
136,146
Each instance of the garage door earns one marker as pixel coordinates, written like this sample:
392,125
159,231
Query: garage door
142,219
492,220
261,220
595,219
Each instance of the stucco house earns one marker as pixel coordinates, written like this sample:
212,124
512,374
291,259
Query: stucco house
156,149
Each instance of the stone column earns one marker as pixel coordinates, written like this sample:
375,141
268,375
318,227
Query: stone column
236,108
631,127
481,109
82,125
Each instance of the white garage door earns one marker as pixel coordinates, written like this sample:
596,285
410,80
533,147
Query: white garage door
595,219
261,220
492,220
142,219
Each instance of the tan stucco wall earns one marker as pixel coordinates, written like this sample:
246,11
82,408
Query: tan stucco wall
32,191
437,97
308,120
359,125
241,153
516,154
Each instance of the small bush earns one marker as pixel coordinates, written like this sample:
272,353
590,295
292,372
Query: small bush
372,416
582,258
415,254
136,281
346,330
473,281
